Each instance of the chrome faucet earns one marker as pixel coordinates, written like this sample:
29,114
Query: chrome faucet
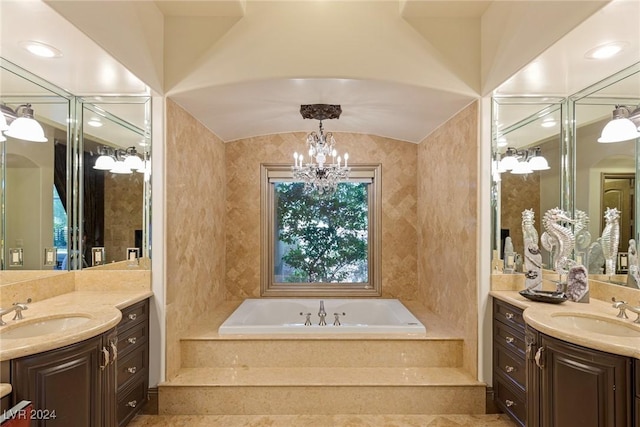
622,306
17,307
322,314
307,321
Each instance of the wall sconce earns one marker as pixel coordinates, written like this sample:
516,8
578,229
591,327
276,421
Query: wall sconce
119,161
522,162
21,123
624,126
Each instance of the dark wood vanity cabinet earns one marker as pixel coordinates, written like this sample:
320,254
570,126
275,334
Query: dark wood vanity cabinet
509,365
637,392
99,382
132,368
541,381
70,386
569,385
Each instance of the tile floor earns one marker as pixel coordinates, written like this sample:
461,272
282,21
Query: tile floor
490,420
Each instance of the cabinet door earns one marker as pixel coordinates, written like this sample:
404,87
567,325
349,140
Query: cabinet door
64,385
583,388
532,341
108,373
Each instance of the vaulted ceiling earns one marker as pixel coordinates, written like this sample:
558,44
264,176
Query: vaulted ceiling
399,68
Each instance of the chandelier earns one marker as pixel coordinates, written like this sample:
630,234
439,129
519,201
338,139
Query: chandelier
325,168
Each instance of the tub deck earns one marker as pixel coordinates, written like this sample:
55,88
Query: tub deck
321,374
436,328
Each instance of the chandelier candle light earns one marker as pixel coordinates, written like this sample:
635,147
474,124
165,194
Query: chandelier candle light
318,174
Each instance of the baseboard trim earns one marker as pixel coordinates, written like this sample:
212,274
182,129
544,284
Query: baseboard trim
151,408
491,407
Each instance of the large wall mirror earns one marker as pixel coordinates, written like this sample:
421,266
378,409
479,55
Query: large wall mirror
605,173
57,211
585,175
526,131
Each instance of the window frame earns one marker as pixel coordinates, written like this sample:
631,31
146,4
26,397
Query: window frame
270,173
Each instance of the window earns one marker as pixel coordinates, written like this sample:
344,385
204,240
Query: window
320,246
59,228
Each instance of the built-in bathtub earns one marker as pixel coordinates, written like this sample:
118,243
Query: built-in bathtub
288,316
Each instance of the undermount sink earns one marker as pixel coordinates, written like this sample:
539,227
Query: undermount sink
599,324
37,327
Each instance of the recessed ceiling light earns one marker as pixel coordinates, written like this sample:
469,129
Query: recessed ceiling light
605,51
40,49
95,122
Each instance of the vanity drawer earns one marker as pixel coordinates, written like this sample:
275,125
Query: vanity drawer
508,314
132,338
509,338
133,315
131,401
510,366
131,366
510,401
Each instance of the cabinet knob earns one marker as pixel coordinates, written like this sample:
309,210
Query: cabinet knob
508,315
132,340
132,369
133,316
509,403
132,403
509,369
509,340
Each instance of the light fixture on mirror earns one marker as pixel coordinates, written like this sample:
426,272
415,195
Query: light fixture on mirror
21,123
119,161
624,125
522,162
318,174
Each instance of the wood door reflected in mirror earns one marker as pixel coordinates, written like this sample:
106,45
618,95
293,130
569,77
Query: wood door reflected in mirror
618,192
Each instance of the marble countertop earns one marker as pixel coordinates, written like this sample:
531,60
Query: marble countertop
544,318
100,307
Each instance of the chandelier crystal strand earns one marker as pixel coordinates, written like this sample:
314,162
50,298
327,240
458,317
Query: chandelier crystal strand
318,175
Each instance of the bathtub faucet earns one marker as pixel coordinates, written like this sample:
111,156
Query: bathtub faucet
322,314
307,316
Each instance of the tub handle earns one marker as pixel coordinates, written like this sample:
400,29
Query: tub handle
337,321
307,321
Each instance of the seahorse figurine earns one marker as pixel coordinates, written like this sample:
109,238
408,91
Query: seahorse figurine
558,239
528,226
580,231
595,259
611,239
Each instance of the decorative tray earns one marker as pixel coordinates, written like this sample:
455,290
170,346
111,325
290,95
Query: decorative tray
552,297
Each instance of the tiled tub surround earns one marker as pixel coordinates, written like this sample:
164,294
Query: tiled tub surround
289,316
213,222
321,373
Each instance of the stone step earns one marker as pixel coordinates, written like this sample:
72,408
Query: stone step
373,390
338,352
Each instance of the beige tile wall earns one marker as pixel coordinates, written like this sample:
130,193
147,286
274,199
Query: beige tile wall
447,226
517,193
195,225
399,204
123,195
